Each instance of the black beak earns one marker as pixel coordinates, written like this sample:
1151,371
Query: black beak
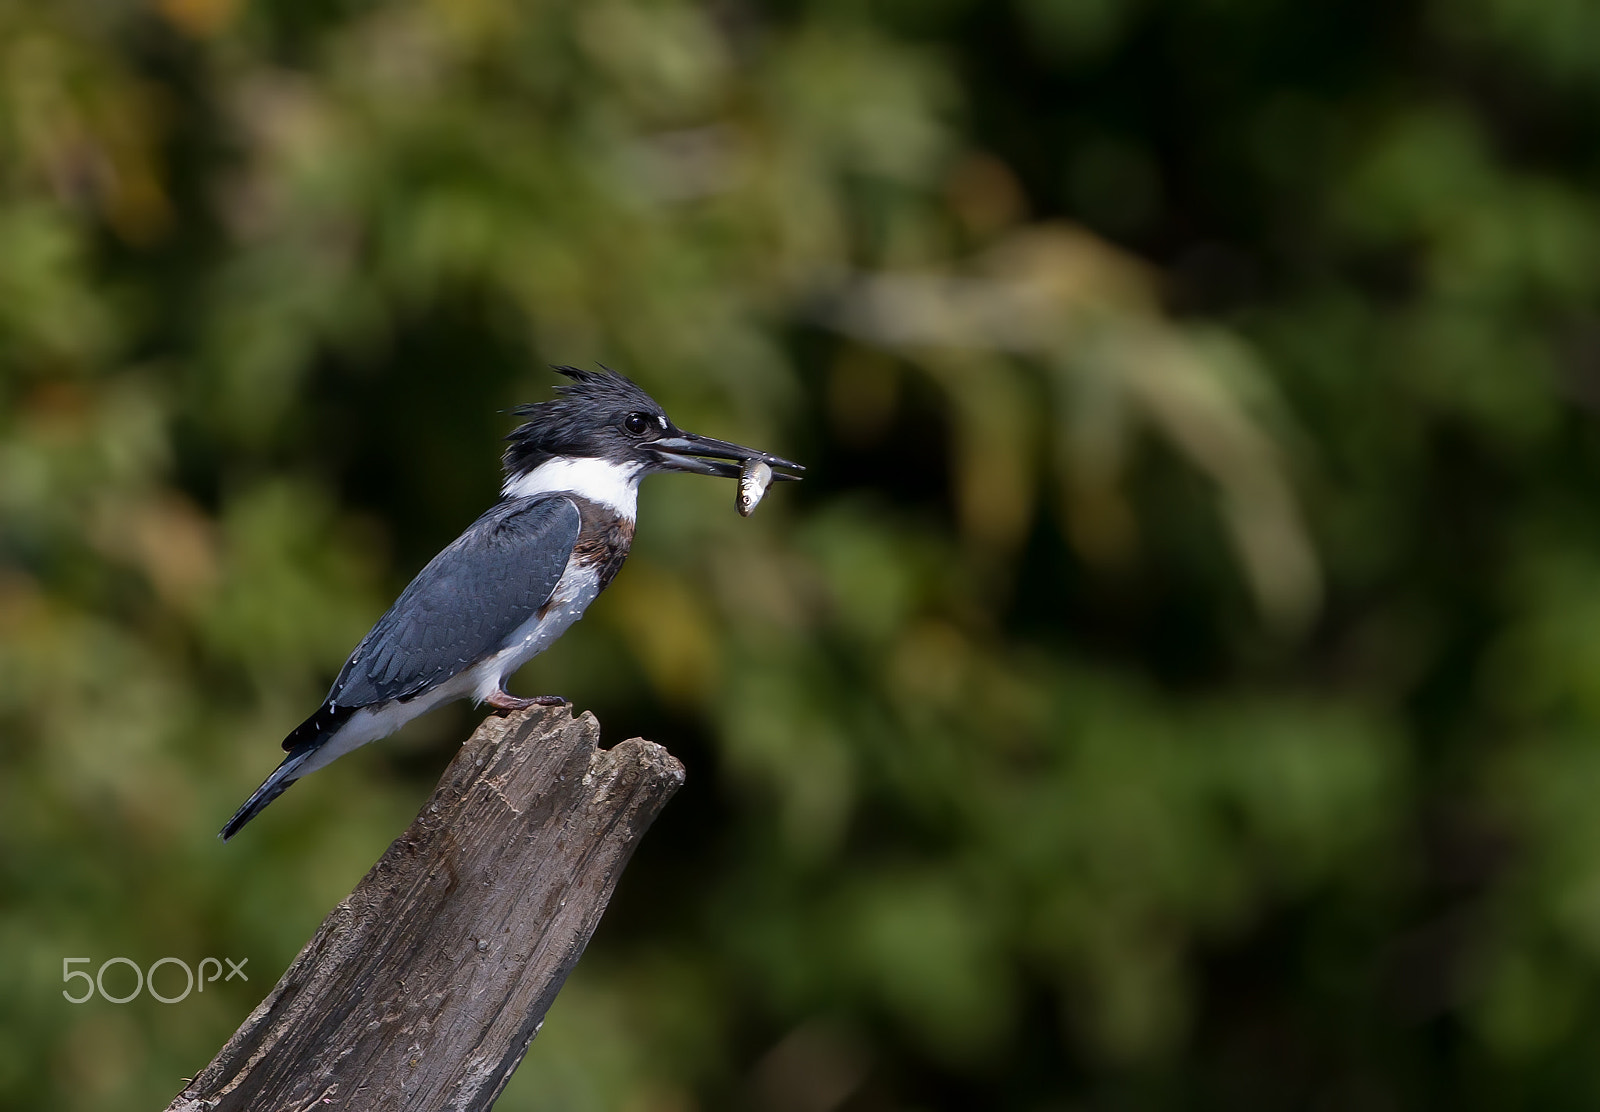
703,456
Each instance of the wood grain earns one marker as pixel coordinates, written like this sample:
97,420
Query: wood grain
423,989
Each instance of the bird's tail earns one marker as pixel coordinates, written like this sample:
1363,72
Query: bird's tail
271,788
307,740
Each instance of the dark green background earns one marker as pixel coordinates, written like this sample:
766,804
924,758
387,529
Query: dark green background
1175,686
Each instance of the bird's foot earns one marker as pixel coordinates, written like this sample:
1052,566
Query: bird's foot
504,703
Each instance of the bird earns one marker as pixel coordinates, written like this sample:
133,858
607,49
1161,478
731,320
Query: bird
518,577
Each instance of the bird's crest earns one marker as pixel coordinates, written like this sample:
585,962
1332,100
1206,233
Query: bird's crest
590,394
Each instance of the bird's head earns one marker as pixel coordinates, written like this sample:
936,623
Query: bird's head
603,427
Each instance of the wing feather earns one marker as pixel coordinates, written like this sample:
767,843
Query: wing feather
465,603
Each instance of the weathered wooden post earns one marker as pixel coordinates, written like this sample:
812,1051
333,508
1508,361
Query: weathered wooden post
423,989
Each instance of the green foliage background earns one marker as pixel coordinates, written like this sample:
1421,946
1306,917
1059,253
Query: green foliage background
1176,684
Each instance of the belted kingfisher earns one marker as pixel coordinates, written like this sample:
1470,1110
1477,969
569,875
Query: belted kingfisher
504,590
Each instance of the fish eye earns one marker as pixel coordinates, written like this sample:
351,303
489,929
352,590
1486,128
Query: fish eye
637,423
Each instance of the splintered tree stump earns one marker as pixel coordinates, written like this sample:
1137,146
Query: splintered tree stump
423,989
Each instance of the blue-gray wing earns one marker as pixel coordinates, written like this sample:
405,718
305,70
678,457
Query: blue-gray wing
465,604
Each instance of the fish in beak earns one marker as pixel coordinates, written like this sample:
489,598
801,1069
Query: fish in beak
701,455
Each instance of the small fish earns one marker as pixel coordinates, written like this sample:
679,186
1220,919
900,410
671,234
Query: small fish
753,480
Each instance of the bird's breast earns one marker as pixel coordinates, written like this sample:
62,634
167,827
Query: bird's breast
603,540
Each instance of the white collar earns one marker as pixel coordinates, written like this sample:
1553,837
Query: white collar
614,485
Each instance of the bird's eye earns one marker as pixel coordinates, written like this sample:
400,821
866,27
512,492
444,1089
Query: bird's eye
637,423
